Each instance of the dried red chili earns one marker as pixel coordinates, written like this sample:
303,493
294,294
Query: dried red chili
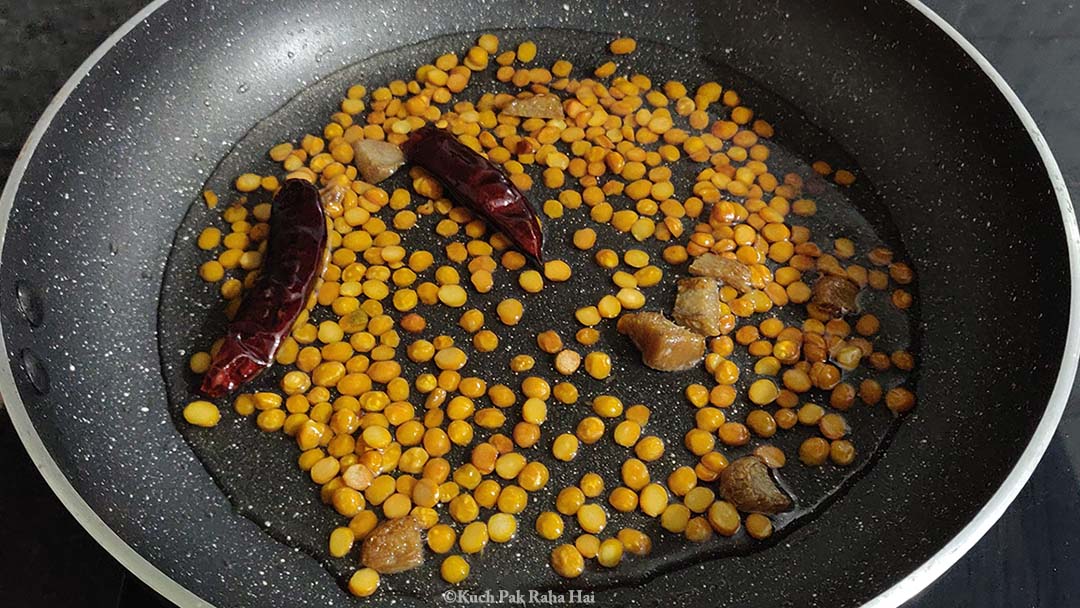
478,184
294,259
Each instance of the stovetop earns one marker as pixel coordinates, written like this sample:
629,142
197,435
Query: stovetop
1029,558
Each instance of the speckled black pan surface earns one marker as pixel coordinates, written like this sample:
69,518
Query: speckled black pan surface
259,473
111,181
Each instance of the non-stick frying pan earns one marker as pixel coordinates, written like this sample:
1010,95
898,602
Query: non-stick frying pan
946,155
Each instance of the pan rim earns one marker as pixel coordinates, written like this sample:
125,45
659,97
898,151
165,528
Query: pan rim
921,578
894,596
105,536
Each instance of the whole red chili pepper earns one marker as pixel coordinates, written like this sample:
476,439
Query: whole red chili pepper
478,184
293,261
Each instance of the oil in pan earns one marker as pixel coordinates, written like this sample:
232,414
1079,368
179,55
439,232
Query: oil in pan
258,471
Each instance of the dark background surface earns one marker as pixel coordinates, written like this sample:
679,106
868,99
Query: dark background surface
1028,559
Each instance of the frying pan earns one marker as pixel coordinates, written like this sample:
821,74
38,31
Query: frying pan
948,159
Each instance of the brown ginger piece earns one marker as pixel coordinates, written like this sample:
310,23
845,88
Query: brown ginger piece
746,484
697,305
395,545
376,160
835,296
664,345
730,272
544,105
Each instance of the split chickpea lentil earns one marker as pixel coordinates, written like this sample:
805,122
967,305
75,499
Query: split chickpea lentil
356,417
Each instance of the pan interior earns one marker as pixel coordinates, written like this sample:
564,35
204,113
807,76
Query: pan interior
258,472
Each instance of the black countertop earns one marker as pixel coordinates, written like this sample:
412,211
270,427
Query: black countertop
1029,558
